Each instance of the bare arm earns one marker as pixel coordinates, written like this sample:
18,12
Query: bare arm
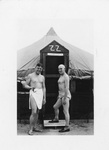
26,83
44,91
66,86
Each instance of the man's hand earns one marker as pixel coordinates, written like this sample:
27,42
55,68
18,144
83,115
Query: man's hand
32,88
44,101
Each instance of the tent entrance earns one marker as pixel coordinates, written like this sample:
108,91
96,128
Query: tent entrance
52,63
51,57
52,74
51,77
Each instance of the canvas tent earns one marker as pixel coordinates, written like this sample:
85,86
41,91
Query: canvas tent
80,61
80,64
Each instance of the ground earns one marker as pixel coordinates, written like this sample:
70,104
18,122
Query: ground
77,127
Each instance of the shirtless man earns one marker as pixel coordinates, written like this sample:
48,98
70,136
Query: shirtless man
63,98
35,82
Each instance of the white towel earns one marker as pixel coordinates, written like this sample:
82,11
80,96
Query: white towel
37,94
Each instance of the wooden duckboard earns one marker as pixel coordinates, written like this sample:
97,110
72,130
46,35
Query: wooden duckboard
59,124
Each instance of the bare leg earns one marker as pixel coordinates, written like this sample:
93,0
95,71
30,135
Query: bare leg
56,114
66,112
56,108
32,121
36,119
33,114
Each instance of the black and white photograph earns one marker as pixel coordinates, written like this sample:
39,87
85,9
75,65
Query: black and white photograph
54,74
55,80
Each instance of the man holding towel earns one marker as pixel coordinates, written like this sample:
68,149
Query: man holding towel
35,82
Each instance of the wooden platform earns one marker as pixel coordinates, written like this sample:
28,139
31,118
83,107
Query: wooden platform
59,124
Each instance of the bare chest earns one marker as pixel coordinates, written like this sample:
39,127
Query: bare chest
61,80
35,80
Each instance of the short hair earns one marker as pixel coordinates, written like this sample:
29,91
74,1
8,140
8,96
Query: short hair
39,65
61,66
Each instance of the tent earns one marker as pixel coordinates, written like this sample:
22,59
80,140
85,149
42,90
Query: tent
80,61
